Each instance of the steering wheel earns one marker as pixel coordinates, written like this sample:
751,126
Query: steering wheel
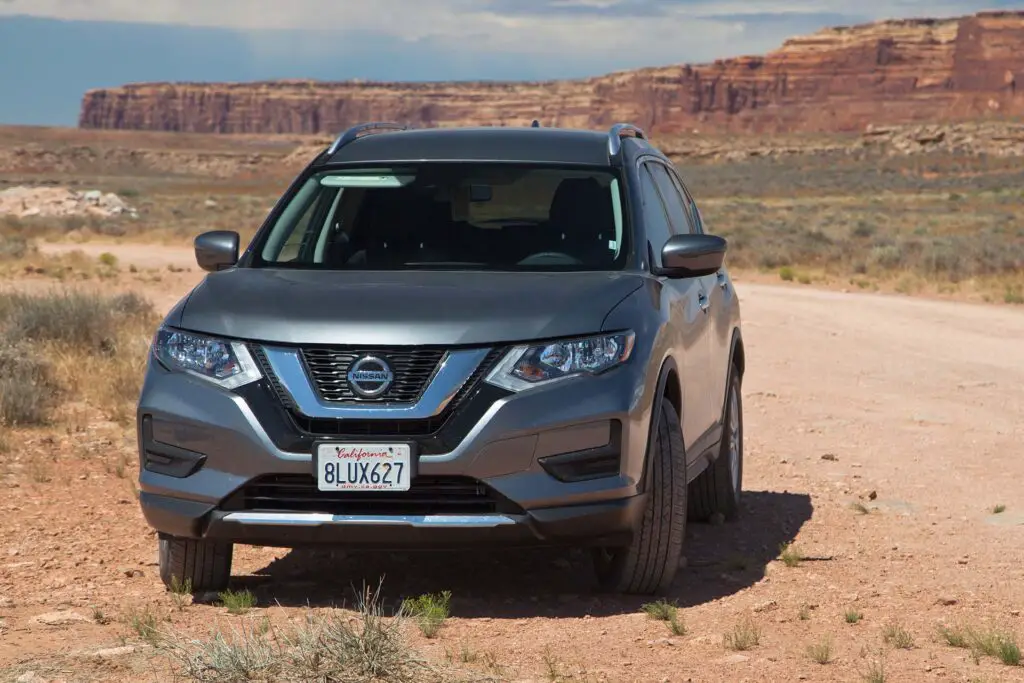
557,256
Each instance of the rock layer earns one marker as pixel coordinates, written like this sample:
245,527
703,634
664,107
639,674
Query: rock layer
838,79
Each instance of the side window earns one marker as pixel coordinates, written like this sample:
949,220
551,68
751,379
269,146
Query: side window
691,206
682,223
655,219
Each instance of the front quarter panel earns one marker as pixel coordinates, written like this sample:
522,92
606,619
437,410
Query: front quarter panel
643,312
725,306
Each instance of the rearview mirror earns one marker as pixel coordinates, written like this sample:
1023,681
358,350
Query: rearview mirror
692,255
216,249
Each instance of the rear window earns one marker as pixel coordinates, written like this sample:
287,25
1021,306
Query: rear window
451,216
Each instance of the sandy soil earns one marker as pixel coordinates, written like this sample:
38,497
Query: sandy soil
128,254
912,408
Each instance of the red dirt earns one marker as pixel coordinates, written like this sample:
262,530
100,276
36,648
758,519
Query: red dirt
912,408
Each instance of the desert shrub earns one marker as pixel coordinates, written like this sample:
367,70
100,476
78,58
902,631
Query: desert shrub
866,213
886,256
863,229
429,610
84,343
9,224
28,390
326,645
13,247
131,304
74,319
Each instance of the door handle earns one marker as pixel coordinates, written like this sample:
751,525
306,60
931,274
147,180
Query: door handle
703,302
722,282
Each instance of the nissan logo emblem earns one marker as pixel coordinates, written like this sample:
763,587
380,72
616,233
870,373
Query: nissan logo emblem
370,376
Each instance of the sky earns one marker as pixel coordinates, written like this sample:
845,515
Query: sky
52,51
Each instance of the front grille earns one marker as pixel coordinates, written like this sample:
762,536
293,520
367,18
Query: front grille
413,369
421,427
427,496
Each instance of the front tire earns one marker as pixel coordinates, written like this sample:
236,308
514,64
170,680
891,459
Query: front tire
718,488
650,562
199,565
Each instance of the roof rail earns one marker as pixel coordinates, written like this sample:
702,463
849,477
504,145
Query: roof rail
354,132
619,131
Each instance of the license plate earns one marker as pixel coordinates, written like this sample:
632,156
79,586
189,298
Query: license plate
363,467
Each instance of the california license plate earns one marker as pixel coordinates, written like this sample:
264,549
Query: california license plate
363,467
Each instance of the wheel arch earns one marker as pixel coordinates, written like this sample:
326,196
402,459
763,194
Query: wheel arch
737,359
738,355
668,388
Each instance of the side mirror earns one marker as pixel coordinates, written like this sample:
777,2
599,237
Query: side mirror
216,249
692,255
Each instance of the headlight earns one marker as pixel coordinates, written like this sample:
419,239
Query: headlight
227,364
525,367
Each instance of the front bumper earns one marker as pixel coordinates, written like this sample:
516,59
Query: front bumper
607,523
204,452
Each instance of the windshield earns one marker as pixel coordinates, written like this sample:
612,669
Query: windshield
450,216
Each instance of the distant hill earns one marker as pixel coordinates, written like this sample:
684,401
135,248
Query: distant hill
838,79
46,64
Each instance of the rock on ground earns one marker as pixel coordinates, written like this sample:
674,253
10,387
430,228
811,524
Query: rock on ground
24,202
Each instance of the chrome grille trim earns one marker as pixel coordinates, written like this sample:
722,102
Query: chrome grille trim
455,369
413,370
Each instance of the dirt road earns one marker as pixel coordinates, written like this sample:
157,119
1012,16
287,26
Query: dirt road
139,255
913,409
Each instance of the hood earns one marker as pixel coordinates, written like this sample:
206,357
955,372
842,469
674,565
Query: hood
402,307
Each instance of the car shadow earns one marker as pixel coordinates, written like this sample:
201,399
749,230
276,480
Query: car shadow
720,560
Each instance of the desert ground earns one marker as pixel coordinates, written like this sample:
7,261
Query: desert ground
882,533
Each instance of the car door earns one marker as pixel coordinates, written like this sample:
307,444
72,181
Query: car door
721,297
686,304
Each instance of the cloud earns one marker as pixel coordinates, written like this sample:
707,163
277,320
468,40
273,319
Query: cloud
420,19
556,38
109,42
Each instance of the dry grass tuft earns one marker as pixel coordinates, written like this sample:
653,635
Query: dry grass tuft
28,389
16,248
821,651
662,610
144,622
898,636
875,671
789,555
71,343
746,635
429,610
328,645
238,602
999,644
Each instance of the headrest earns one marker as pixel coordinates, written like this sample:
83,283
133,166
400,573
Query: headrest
582,200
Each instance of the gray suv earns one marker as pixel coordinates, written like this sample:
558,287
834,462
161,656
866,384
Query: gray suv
456,337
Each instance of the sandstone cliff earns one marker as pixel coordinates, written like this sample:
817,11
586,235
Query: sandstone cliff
838,79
